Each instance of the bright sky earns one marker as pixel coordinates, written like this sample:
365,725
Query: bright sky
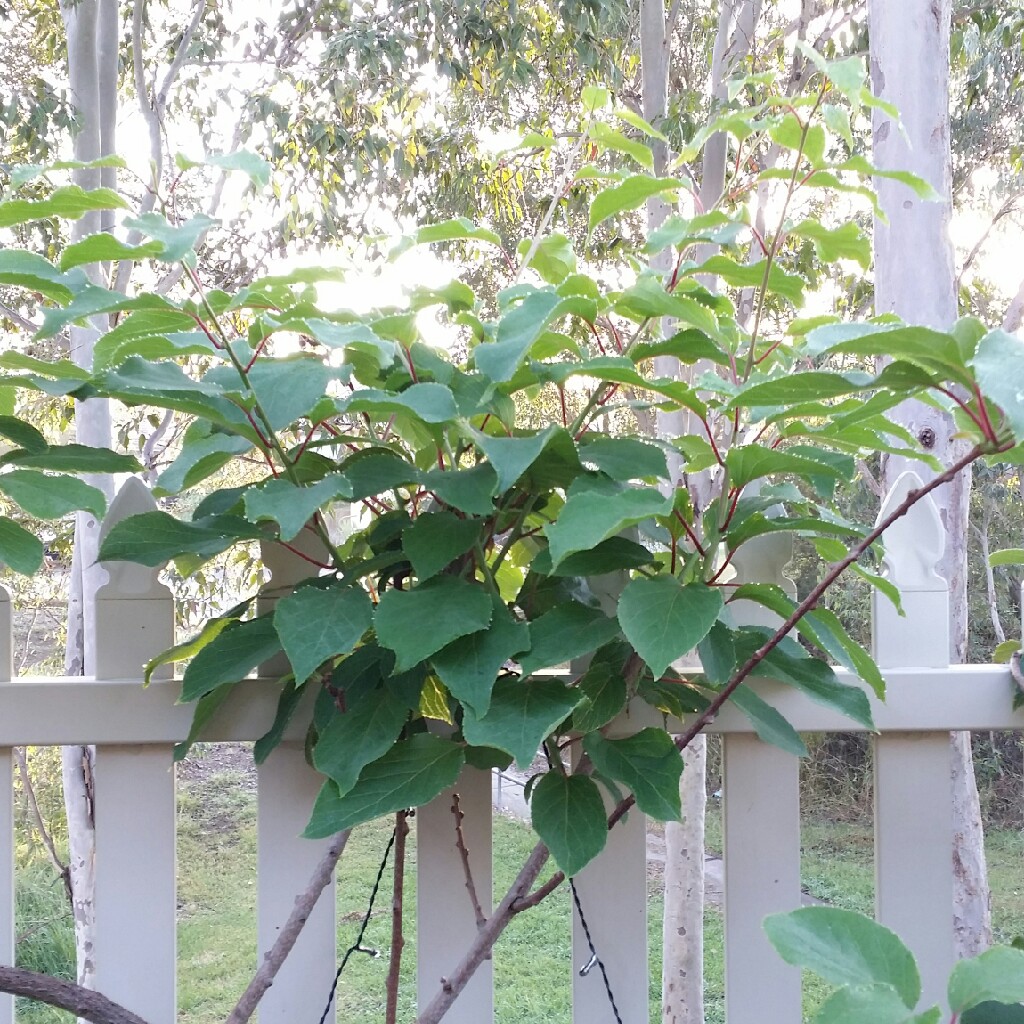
1001,260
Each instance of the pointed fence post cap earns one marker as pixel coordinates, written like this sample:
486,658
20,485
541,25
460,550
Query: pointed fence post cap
914,544
130,579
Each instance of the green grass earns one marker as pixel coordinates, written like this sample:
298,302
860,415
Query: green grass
532,964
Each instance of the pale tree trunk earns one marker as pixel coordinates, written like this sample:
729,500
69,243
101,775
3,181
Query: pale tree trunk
92,31
683,924
914,277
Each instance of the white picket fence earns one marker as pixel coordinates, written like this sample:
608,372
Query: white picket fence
134,729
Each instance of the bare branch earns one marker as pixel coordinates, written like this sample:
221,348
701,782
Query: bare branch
6,313
37,819
480,948
180,56
149,448
275,957
146,105
397,937
65,995
460,842
1005,210
874,484
1015,311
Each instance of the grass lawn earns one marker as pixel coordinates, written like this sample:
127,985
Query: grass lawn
532,967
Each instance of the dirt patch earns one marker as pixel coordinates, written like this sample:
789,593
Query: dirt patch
207,760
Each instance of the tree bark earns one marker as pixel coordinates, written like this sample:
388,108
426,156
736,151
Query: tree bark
683,923
915,278
91,27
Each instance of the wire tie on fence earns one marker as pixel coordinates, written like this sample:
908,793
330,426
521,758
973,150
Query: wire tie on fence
595,960
357,946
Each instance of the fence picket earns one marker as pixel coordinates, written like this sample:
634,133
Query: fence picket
6,820
446,919
135,895
761,833
612,890
286,789
136,892
913,791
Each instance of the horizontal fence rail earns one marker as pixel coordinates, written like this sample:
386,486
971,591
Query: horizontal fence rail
134,729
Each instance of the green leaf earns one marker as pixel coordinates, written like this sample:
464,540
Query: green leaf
614,140
166,385
417,623
69,203
290,506
457,229
812,386
993,1013
630,194
315,625
511,457
845,948
522,714
769,725
879,1004
287,704
1005,651
717,653
824,628
19,549
554,258
752,275
90,299
647,763
364,732
243,160
32,272
374,471
664,620
74,458
431,402
470,665
230,656
24,173
154,538
50,497
596,509
436,538
846,242
611,555
625,458
286,388
568,631
435,701
202,453
997,975
1008,556
23,434
517,330
569,816
103,247
188,648
176,241
206,707
752,462
469,490
603,689
790,663
999,367
934,351
410,774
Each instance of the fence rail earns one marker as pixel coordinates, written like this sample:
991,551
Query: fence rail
134,729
